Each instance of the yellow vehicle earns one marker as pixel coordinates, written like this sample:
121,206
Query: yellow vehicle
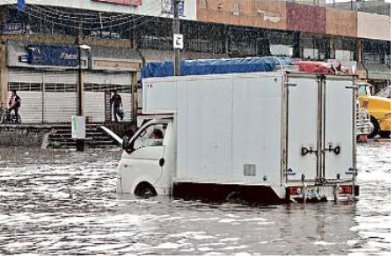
378,107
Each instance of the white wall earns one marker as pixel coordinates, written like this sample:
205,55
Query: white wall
281,50
344,55
373,26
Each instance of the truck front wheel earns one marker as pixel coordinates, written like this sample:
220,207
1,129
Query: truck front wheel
375,130
145,190
385,134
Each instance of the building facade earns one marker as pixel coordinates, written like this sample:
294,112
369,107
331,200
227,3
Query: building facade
123,35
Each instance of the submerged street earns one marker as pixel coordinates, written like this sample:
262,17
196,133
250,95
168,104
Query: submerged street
63,202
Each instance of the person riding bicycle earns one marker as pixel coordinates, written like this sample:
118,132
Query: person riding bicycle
14,103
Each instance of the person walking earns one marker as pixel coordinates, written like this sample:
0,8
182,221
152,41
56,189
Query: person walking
14,104
116,102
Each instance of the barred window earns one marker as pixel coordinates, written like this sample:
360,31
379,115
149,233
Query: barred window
50,87
92,87
13,86
24,86
70,87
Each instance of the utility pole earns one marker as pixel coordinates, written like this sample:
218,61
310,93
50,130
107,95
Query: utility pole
78,121
176,30
79,141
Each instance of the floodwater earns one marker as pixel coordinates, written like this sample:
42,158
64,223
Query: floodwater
56,202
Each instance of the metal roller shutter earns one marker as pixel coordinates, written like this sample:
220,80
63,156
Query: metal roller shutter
29,87
59,107
69,77
94,106
127,106
31,107
108,78
25,76
60,101
94,98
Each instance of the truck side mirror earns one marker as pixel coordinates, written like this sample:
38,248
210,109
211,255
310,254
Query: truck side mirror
125,142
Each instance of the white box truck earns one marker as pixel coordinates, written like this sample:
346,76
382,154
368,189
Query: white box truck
266,137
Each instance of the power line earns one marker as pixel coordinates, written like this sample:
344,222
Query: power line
97,20
74,22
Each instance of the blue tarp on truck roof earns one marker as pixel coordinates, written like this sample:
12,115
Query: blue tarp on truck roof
214,66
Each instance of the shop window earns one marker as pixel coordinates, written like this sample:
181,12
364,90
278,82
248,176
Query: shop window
70,87
127,88
88,87
95,87
35,87
118,87
60,87
104,87
50,87
91,87
13,86
24,86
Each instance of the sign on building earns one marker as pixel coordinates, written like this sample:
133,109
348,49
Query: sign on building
134,3
178,41
168,7
13,28
53,55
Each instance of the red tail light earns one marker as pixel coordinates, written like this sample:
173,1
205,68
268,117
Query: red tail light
346,189
294,190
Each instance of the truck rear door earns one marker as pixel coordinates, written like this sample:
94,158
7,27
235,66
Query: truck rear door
338,125
320,128
302,127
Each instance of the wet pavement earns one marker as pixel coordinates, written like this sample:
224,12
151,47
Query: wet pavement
62,202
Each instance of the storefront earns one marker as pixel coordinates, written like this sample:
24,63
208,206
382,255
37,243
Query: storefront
48,85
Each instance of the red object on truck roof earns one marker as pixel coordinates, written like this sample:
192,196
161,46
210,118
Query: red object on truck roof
317,67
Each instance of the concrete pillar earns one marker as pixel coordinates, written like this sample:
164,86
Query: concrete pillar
3,76
134,96
263,44
225,39
359,51
330,49
297,49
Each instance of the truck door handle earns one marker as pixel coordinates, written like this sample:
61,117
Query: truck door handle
305,151
161,162
336,150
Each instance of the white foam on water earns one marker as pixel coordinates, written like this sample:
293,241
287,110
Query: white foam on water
204,249
203,237
324,243
230,239
227,220
168,245
230,248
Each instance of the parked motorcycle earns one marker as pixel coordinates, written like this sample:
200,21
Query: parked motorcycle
9,117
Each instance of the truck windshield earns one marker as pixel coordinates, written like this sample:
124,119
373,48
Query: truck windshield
362,90
386,92
152,135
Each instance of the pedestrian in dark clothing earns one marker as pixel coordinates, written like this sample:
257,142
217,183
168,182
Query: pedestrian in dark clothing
14,103
116,102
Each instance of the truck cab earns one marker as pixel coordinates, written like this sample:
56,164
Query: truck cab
147,161
379,109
